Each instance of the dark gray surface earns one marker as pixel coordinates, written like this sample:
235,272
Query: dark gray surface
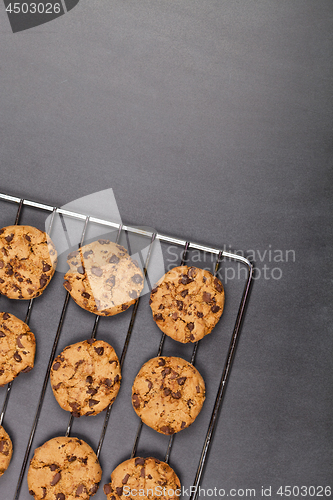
211,120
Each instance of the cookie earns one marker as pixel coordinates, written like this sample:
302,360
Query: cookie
64,468
27,261
143,478
6,450
186,303
85,377
17,348
103,279
168,394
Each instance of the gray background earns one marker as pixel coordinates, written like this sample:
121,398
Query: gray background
211,121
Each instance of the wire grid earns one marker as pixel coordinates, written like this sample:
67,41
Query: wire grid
185,245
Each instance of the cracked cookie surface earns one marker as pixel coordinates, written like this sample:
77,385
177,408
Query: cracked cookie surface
85,377
64,468
186,303
146,477
17,348
6,450
27,261
168,394
103,278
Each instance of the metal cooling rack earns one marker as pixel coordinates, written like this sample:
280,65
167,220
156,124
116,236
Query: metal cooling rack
186,246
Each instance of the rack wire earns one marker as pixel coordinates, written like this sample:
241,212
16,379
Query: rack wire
153,237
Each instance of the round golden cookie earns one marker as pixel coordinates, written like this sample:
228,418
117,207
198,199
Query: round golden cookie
17,348
168,394
146,478
27,261
103,278
6,450
187,302
85,377
64,468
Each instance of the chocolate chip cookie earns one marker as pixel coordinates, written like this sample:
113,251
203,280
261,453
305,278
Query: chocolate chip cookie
85,377
27,261
145,478
17,348
64,468
103,279
187,302
6,450
168,394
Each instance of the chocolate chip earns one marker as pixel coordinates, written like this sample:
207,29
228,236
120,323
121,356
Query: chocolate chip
192,336
176,395
104,242
92,391
93,402
184,293
116,379
84,460
2,334
9,271
3,443
27,237
198,389
99,350
137,278
167,430
18,341
183,425
167,391
53,467
133,294
199,314
181,380
80,269
206,297
42,282
17,357
166,371
88,252
190,326
85,295
150,385
158,317
88,413
154,290
107,382
142,472
139,461
150,477
31,493
218,285
72,458
161,362
215,309
1,280
6,316
114,259
56,366
111,281
91,341
179,305
89,380
60,496
107,489
46,267
119,491
73,254
174,316
80,489
44,492
27,369
192,272
56,479
97,271
136,401
9,237
126,478
67,285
